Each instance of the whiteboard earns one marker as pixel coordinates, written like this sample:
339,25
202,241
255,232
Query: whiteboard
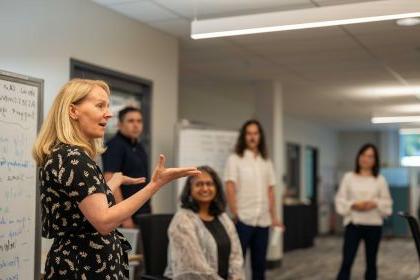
20,117
204,146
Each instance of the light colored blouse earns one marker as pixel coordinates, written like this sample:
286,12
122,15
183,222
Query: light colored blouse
252,175
353,188
192,252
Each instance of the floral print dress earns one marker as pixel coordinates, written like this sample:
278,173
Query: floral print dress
78,251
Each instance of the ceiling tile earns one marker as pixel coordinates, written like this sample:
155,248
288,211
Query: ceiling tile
177,27
144,11
115,2
340,2
218,8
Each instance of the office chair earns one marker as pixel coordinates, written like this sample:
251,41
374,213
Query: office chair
415,231
414,228
155,240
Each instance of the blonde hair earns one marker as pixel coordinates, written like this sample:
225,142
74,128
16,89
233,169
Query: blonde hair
58,127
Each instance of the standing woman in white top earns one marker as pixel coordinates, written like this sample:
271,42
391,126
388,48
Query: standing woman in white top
250,181
363,200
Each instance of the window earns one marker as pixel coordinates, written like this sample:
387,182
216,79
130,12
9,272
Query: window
410,147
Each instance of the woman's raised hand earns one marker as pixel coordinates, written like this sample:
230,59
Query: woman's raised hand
162,175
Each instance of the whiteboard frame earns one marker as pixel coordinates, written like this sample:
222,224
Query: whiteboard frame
39,83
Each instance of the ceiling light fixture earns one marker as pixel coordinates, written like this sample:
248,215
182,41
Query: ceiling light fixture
411,21
305,18
398,119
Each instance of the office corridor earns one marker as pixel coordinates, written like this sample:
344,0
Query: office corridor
397,260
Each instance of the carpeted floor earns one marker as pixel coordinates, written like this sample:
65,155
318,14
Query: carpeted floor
397,260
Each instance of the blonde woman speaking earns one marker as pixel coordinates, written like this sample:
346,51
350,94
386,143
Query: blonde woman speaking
78,208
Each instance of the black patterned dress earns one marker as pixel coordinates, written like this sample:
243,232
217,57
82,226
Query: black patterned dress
78,251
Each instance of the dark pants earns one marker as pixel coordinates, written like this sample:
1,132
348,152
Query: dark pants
256,238
353,234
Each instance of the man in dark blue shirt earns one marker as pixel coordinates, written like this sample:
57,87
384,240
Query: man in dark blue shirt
127,155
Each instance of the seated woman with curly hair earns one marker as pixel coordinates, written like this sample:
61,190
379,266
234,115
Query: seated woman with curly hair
203,243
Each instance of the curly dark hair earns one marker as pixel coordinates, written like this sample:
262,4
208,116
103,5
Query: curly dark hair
241,143
217,206
375,168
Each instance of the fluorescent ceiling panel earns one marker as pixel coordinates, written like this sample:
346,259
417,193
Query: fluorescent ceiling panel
305,18
397,119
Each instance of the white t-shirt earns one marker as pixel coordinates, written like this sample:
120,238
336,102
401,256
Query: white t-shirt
252,175
353,188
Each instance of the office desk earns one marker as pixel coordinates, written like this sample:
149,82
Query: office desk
301,226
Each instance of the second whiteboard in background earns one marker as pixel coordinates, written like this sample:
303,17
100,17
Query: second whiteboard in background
202,146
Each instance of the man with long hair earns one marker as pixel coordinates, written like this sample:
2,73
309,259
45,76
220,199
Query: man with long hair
250,181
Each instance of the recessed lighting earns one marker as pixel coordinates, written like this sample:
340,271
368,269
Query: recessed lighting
408,21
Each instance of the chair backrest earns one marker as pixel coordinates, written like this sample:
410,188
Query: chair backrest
153,230
415,231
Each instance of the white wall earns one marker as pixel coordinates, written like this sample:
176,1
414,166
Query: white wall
38,38
309,133
389,148
222,105
350,143
387,142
